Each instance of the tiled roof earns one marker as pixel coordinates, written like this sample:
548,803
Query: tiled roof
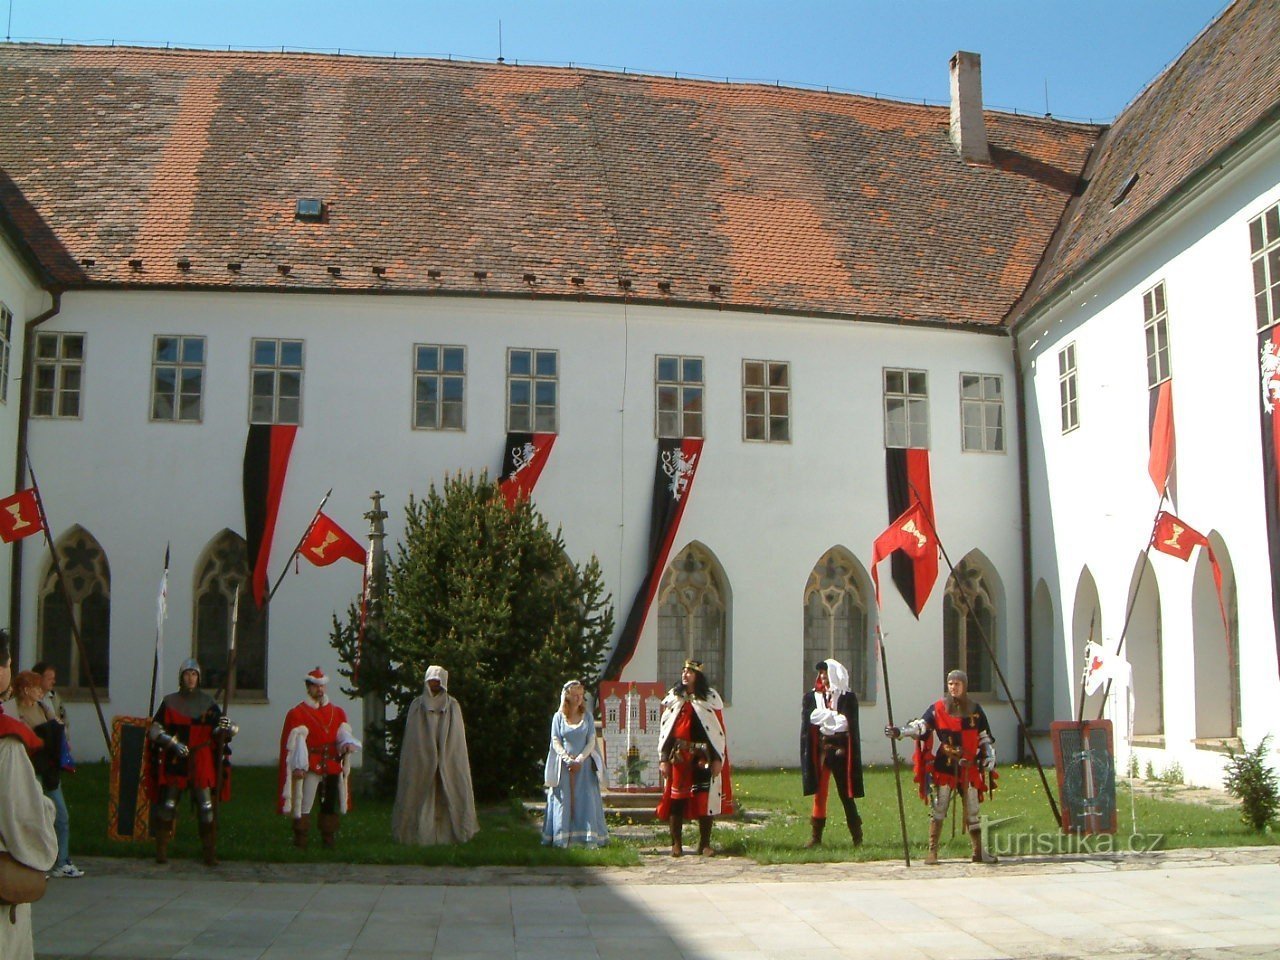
1224,85
464,178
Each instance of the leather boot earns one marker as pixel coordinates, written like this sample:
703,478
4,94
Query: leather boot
851,817
329,830
163,830
704,837
817,823
980,855
300,827
677,840
935,834
209,843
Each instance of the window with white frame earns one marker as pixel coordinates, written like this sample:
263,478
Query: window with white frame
766,400
177,379
1264,251
439,387
6,342
59,375
982,412
533,390
835,620
276,378
906,408
1155,322
678,386
1068,388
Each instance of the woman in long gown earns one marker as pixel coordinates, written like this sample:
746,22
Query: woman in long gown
575,810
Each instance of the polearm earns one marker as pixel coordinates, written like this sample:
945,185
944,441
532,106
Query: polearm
893,745
228,687
301,540
1084,671
991,653
162,611
71,612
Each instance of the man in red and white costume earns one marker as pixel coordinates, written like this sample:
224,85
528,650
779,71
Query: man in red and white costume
694,760
315,761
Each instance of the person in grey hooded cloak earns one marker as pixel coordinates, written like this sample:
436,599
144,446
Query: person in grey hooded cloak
434,802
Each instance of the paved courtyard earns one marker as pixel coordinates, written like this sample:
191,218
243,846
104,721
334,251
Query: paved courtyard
1201,904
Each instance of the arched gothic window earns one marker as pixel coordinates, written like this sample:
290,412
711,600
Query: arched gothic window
221,569
835,619
692,619
968,613
88,580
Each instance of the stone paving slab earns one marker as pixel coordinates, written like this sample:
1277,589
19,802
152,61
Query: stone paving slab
1181,905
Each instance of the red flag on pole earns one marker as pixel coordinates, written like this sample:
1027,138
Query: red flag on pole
913,535
326,542
20,516
1160,463
1178,539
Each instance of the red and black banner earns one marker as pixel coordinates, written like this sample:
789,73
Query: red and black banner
1160,423
907,480
266,460
522,461
672,485
1269,375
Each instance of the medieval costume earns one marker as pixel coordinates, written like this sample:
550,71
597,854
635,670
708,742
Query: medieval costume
189,750
964,760
434,803
694,758
830,748
575,809
26,822
316,744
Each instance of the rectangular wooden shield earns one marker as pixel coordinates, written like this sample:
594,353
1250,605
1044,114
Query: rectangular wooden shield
127,803
1086,766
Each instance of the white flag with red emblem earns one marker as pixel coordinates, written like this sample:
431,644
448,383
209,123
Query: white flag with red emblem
1101,667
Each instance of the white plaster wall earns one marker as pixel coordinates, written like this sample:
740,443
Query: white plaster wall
19,292
1092,501
768,512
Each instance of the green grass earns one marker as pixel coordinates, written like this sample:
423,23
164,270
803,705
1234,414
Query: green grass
252,831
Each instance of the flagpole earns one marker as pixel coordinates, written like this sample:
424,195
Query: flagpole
893,745
160,618
71,613
301,540
1084,672
228,687
1133,599
986,642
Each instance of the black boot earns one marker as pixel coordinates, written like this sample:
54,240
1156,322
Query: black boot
209,843
300,827
677,840
329,829
163,830
817,824
704,837
851,817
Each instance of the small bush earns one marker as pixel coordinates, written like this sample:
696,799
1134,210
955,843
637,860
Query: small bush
1151,771
1173,774
1133,766
1254,784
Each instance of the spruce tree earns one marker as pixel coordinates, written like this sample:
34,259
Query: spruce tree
489,593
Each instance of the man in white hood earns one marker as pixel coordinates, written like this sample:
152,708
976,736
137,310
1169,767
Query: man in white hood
434,801
830,748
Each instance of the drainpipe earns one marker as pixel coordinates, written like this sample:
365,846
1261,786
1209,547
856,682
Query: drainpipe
20,466
1024,503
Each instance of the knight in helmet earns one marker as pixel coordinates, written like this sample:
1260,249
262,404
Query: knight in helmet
190,750
315,762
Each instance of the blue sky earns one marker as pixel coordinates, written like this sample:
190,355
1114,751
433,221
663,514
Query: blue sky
1093,55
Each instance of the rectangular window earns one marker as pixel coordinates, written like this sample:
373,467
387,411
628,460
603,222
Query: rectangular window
177,379
766,401
1264,250
59,372
439,387
6,341
982,412
533,391
1068,390
275,376
678,403
1155,320
906,408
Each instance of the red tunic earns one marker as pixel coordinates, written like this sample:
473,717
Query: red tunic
957,756
199,768
322,724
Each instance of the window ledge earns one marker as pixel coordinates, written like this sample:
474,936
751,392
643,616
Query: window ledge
1153,741
1219,744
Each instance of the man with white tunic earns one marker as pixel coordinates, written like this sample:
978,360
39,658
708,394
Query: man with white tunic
434,802
830,748
26,819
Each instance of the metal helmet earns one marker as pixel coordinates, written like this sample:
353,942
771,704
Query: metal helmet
191,663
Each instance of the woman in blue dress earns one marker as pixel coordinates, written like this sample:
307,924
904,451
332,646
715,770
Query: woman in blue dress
575,810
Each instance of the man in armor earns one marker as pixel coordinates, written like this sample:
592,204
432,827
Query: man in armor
189,742
315,761
830,748
694,760
965,760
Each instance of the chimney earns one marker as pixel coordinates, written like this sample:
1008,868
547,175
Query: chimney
968,130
